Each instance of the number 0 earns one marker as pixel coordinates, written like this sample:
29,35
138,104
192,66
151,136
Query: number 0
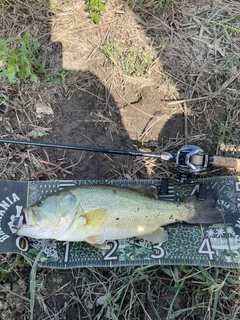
22,243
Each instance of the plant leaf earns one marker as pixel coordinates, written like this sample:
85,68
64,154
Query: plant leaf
101,7
11,74
94,16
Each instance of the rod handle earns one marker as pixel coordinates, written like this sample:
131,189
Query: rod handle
226,162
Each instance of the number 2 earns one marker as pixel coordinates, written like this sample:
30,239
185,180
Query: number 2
109,255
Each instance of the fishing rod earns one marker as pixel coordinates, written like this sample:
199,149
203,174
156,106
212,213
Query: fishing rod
190,160
162,155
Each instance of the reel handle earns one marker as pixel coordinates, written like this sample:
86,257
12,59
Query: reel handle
226,162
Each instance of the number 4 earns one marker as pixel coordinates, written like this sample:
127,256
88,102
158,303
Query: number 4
206,248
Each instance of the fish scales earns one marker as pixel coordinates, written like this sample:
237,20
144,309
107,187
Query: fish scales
130,205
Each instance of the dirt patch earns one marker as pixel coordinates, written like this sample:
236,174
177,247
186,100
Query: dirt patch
85,120
89,119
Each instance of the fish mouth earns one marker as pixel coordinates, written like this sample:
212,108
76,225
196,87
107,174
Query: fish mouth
32,217
32,227
36,227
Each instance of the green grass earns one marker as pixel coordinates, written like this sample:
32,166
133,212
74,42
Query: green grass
211,16
162,4
33,285
130,61
154,4
153,292
176,292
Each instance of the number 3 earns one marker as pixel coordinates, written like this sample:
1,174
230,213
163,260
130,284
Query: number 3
161,251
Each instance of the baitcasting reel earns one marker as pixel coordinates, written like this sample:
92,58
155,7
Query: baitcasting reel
191,161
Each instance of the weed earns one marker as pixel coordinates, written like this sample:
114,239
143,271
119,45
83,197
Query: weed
59,76
223,128
19,59
6,274
95,7
228,25
132,61
163,4
33,284
4,102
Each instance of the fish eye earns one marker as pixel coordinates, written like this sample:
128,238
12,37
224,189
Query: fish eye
39,203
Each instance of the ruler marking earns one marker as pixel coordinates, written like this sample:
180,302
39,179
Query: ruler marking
28,186
224,222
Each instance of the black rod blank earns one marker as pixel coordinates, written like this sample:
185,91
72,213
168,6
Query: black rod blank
163,155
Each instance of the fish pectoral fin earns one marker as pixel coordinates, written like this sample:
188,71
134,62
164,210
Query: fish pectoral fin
97,239
96,217
80,221
158,236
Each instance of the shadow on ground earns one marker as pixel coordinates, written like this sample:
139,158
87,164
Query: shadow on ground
92,116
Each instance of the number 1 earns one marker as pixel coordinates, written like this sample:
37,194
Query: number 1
66,254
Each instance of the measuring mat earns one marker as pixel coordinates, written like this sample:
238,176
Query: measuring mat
206,245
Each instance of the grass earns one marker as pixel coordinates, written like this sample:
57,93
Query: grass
33,285
167,50
131,61
153,4
156,292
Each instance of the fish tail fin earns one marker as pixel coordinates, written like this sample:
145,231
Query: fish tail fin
204,211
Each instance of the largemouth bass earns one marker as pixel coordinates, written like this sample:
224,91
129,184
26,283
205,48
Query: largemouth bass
96,213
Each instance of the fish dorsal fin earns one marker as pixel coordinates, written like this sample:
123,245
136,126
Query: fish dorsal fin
148,190
96,218
158,236
97,239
